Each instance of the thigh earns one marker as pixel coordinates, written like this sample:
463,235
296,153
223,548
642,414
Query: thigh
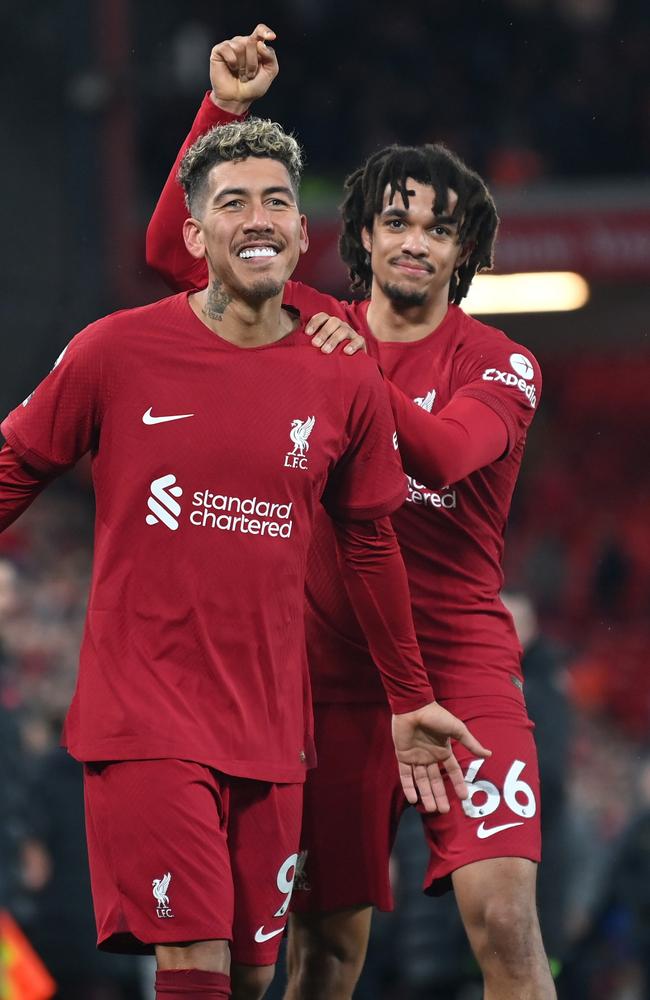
501,817
158,853
263,838
353,801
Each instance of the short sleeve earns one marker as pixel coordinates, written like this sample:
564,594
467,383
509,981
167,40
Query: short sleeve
507,378
59,421
368,481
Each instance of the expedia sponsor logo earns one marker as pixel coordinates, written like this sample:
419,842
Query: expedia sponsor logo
248,515
519,378
421,495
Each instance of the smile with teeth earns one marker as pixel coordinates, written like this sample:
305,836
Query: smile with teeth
249,252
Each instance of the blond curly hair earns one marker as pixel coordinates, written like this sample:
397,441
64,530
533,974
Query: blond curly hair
258,137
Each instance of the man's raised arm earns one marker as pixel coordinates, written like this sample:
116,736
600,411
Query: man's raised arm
241,70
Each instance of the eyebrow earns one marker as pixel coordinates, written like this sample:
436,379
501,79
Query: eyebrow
401,213
229,192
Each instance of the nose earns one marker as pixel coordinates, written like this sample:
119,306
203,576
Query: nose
258,219
416,243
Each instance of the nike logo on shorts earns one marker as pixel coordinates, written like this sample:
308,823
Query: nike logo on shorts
261,935
484,832
147,417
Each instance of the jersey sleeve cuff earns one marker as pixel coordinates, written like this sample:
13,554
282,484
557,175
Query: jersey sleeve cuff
210,115
370,513
26,454
402,704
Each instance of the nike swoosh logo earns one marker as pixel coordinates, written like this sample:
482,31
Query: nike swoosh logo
483,832
261,936
147,418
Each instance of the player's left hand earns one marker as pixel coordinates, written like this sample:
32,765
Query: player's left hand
327,332
422,745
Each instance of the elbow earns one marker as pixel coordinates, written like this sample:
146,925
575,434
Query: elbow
434,474
153,254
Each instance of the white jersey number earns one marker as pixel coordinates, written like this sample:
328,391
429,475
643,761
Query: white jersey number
518,795
285,884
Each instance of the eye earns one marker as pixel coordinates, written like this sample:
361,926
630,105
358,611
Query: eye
395,224
233,203
277,203
442,231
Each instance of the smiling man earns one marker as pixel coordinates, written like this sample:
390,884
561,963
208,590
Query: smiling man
417,225
217,437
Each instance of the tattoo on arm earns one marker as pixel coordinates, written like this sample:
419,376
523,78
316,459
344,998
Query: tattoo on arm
217,301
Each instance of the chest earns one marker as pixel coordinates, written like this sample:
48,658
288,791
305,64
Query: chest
242,418
424,372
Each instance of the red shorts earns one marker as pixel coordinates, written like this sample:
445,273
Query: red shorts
179,852
354,801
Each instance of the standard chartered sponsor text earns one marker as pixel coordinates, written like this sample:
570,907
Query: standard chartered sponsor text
249,515
420,494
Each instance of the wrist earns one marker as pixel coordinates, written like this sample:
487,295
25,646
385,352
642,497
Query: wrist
237,108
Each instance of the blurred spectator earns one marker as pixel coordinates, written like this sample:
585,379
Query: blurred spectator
62,927
545,690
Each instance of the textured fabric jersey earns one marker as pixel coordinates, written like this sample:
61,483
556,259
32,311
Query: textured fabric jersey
451,533
209,465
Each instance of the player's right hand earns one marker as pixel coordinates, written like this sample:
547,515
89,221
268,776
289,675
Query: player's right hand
242,69
423,745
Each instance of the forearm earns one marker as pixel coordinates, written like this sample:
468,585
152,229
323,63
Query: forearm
19,486
438,450
165,249
375,579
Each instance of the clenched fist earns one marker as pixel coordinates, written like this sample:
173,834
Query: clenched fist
242,69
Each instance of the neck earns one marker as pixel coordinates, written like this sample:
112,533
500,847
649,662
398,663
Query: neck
389,320
246,324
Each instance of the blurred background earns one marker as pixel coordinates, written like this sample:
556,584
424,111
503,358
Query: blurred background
550,101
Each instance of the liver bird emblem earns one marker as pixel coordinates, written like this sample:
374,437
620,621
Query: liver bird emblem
160,887
300,431
426,402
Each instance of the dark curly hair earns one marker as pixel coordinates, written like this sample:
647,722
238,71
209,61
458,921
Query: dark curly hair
430,164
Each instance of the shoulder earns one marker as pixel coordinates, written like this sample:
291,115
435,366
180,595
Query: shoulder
479,343
308,301
110,331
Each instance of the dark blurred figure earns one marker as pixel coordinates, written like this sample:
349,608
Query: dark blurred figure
12,810
545,690
12,801
613,954
63,928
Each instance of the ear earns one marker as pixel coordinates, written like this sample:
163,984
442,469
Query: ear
366,239
193,236
304,236
464,253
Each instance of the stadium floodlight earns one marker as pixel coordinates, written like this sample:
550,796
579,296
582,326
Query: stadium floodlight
543,291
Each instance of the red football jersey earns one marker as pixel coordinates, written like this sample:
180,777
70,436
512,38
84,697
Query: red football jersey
451,538
209,465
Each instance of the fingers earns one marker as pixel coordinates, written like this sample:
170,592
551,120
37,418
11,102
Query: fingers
431,788
330,332
472,744
267,58
316,322
225,52
250,58
263,33
455,775
243,53
408,785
